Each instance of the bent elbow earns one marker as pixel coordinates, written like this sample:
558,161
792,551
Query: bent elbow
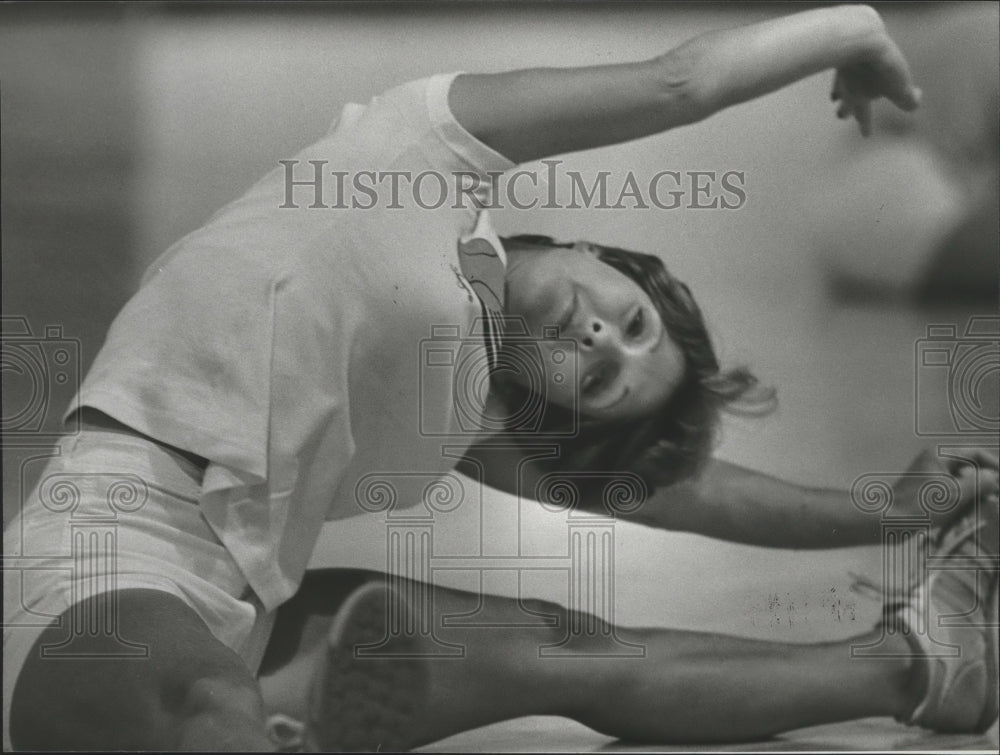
685,86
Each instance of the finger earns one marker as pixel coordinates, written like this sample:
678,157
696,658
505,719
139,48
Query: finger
985,459
974,457
863,115
992,460
975,486
988,482
837,87
968,490
897,82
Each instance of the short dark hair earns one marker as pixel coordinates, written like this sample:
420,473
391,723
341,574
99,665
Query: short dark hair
673,444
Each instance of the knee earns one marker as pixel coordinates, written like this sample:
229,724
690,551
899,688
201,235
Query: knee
218,694
107,700
101,712
220,713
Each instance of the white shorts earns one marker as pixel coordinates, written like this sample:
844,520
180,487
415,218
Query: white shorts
111,512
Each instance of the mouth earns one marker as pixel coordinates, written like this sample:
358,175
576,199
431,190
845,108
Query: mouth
614,402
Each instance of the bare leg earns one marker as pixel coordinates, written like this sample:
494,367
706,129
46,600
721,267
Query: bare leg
689,687
190,693
695,687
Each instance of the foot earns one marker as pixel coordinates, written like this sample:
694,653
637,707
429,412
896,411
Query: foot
367,696
951,621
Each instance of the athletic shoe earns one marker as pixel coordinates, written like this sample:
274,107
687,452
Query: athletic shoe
369,692
951,619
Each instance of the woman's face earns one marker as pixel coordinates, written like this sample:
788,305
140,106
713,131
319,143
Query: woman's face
611,344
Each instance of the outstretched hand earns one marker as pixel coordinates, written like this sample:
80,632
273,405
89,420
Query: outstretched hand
882,74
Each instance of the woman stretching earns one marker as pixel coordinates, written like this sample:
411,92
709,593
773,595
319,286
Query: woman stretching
274,360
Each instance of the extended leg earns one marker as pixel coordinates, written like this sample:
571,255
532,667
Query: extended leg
688,687
694,687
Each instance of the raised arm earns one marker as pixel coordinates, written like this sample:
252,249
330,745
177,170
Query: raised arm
535,113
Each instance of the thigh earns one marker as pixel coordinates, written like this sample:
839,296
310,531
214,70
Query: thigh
112,513
113,562
99,697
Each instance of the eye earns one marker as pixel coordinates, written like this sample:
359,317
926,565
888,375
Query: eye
636,325
567,317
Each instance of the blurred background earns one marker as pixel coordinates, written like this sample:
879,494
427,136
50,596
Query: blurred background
124,126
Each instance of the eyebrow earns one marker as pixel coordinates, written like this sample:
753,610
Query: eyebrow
663,329
573,307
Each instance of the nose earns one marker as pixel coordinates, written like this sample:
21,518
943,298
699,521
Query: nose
594,333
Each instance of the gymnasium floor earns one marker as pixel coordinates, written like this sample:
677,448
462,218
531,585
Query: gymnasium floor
545,734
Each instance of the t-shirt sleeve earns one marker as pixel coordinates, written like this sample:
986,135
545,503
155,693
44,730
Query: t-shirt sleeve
411,127
467,148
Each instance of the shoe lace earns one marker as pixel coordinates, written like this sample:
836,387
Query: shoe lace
943,542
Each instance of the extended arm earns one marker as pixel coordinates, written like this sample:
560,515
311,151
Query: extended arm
725,501
534,113
732,503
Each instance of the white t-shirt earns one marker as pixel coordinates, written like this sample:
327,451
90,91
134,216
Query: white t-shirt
285,345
